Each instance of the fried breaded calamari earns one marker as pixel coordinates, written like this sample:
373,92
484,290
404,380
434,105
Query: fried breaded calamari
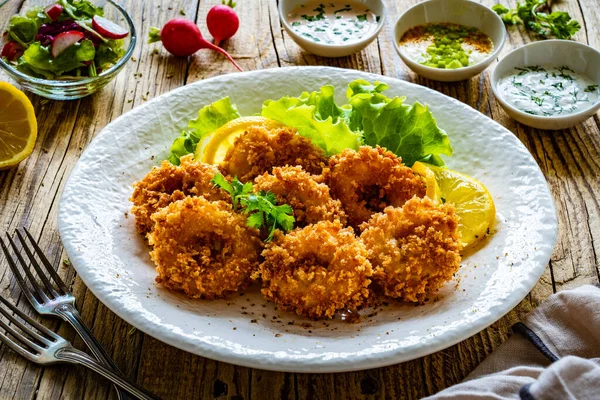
309,199
168,183
258,150
414,249
370,179
316,271
203,248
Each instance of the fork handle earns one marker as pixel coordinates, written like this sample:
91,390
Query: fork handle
70,314
78,357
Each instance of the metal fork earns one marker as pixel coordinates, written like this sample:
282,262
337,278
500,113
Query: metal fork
53,300
46,347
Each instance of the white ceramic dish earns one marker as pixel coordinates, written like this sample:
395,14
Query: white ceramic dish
101,241
463,12
329,50
577,56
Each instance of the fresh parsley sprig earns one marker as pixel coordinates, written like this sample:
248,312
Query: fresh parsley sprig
261,207
557,23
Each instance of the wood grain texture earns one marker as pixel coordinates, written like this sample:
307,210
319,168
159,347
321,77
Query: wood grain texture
29,195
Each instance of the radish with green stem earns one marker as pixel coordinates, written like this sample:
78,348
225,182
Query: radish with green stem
181,37
222,21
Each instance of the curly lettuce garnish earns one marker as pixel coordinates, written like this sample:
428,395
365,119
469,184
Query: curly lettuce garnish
369,117
410,132
316,117
210,118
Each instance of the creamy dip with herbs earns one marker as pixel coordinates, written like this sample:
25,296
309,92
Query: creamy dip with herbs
336,23
548,90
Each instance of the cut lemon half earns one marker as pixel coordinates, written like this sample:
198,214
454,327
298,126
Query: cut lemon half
472,201
213,146
18,126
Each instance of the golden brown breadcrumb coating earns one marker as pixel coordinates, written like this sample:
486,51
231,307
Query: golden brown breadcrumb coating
309,199
168,183
370,179
203,248
414,249
317,270
258,150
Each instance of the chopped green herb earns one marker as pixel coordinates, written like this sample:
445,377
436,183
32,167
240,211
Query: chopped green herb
557,23
261,208
590,88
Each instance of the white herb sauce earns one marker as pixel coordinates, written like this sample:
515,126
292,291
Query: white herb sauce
336,23
548,90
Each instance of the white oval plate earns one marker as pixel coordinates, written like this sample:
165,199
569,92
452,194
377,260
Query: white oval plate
113,261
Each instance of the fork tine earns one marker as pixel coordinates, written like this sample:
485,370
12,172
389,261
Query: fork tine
38,288
42,256
15,270
18,349
21,338
36,266
24,328
29,320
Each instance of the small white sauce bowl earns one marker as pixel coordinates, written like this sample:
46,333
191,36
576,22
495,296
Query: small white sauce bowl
577,56
463,12
331,50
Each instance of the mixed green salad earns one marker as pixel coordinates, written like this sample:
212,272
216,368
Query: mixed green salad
369,117
65,40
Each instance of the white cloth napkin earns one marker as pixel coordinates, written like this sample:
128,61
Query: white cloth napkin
554,354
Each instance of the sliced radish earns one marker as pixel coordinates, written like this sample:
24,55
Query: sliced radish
53,11
64,40
108,29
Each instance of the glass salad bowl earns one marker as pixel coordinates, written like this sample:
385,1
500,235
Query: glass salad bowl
69,88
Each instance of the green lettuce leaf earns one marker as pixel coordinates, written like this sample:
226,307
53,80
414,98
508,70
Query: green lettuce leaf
210,118
410,132
316,117
214,116
39,59
22,30
108,53
81,9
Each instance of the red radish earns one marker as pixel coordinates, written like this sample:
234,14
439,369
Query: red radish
222,21
12,51
181,37
64,40
53,11
108,29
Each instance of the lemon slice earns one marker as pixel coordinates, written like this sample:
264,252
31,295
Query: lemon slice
213,146
472,202
18,126
428,176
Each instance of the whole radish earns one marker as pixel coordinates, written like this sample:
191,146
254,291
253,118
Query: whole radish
222,21
181,37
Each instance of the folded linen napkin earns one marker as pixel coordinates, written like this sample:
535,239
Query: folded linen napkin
554,354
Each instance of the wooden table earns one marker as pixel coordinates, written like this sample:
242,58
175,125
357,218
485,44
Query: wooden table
29,195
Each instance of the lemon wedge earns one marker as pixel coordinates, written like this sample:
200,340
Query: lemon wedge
18,126
472,201
213,146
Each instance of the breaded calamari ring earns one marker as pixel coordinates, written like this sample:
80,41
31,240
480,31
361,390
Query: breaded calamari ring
309,199
203,248
316,271
415,249
168,183
258,150
370,179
